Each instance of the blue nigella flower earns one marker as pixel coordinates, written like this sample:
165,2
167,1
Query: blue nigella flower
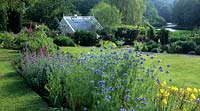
108,98
136,99
111,89
144,103
137,106
125,74
127,91
120,87
143,99
127,97
132,110
158,81
123,109
168,65
125,81
152,57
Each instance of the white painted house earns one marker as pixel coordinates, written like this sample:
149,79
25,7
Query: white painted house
70,24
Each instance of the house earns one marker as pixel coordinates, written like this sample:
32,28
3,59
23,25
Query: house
70,24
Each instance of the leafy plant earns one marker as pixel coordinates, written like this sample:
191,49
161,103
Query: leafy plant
64,41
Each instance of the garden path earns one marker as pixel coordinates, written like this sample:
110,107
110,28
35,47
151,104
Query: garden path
15,95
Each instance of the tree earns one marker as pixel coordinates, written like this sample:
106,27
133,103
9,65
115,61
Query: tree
186,13
44,11
84,6
54,24
152,16
3,20
109,16
11,12
132,10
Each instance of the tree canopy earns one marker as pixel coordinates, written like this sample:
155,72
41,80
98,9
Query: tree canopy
109,16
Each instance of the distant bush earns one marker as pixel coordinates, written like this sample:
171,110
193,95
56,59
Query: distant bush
40,40
64,41
127,34
153,46
1,38
8,40
179,36
163,35
196,40
182,47
197,50
107,44
21,41
85,38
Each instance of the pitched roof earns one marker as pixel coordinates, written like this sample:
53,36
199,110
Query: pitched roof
88,23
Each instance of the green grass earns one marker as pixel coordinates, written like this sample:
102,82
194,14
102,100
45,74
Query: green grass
184,71
15,95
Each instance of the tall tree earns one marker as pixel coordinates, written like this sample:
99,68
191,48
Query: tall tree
44,11
132,10
186,13
84,6
109,16
11,12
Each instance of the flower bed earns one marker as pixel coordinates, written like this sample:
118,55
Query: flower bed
105,81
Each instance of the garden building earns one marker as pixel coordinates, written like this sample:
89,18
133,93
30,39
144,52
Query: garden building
70,24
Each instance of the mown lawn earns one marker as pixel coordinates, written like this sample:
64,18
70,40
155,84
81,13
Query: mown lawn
15,95
184,71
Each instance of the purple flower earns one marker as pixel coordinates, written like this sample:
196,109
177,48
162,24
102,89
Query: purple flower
132,110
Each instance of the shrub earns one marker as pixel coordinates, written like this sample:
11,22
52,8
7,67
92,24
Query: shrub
107,44
196,40
179,36
64,41
163,35
197,50
1,38
126,34
106,34
21,41
182,47
153,46
85,38
8,40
